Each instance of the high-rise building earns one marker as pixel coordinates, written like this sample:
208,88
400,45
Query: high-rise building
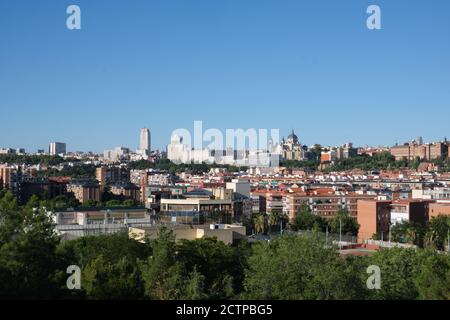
56,148
145,142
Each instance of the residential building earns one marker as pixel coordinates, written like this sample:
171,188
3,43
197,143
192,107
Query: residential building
126,190
374,218
411,210
85,190
439,208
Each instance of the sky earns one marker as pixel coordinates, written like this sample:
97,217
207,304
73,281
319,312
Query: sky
308,65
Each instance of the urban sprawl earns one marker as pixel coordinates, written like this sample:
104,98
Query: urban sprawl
362,201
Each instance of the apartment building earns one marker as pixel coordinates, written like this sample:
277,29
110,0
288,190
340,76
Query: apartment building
431,194
439,208
374,218
126,190
85,190
412,210
325,202
112,174
190,206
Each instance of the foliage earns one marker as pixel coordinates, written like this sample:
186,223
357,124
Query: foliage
307,164
106,280
79,171
342,222
28,263
407,232
310,271
437,232
33,263
46,160
381,161
194,168
306,220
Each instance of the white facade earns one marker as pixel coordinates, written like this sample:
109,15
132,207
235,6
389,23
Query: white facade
145,141
56,148
116,154
177,152
239,186
431,194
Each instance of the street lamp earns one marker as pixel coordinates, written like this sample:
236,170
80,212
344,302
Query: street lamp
448,239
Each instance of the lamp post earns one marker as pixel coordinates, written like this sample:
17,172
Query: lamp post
390,233
448,240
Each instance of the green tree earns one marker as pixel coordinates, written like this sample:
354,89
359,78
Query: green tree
437,232
310,271
28,264
342,222
407,232
306,220
106,280
216,261
399,267
163,275
433,280
260,223
195,286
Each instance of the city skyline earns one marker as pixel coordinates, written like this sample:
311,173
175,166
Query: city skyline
140,141
311,66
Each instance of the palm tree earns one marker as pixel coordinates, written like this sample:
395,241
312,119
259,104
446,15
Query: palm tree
260,223
273,220
437,232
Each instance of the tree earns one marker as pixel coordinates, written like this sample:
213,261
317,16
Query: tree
433,280
309,271
342,222
163,275
28,263
410,274
437,232
217,262
399,267
407,232
107,280
195,286
273,221
306,220
260,223
92,204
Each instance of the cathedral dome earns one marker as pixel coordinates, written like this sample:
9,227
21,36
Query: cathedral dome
292,138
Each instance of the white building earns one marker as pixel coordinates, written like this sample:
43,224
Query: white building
117,154
56,148
145,142
431,194
239,186
177,152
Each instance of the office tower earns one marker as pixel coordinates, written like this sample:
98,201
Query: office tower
145,145
56,148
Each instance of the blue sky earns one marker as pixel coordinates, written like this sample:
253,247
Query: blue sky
308,65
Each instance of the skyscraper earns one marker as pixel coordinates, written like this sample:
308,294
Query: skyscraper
56,148
145,143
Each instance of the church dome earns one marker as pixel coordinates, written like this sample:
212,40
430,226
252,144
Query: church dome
292,138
